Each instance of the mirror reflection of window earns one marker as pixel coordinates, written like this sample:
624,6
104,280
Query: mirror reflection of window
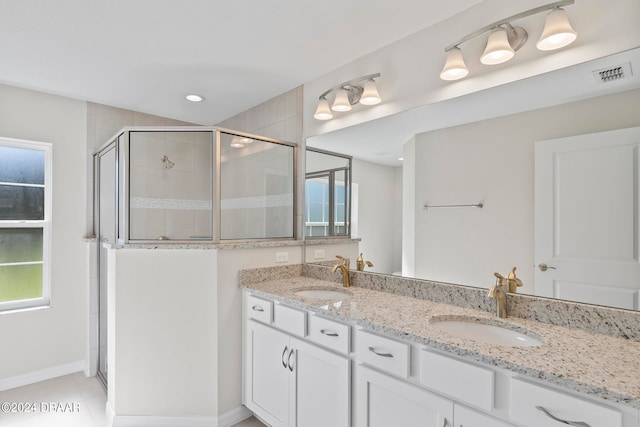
327,194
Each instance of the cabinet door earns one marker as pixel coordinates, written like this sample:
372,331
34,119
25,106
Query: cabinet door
323,394
533,405
383,401
267,373
465,417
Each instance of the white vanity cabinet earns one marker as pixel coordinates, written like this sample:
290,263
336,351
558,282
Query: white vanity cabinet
291,382
300,368
383,401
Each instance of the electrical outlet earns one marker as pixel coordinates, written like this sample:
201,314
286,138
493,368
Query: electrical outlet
318,254
282,256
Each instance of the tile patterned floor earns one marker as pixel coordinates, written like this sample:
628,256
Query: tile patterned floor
85,397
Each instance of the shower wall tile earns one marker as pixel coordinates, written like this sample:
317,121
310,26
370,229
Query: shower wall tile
279,117
147,223
147,182
180,224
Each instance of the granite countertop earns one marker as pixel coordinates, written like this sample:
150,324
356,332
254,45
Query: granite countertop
594,364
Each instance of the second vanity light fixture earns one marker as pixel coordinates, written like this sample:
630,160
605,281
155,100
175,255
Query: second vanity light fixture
505,39
362,90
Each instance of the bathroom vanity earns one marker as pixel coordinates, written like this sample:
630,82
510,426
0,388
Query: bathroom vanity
319,354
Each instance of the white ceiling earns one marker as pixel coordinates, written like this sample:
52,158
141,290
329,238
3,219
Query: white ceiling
146,55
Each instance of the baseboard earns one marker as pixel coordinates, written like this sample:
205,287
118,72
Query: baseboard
234,416
42,375
225,420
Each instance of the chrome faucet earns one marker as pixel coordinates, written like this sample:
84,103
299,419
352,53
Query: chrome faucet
344,268
499,292
360,263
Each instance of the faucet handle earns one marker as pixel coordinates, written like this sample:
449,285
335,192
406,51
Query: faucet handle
345,261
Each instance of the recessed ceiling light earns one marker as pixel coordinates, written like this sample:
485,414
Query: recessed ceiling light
401,158
194,97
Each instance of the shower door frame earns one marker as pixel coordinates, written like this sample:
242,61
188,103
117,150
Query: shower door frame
112,144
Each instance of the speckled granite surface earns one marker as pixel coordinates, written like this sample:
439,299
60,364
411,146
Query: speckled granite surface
602,320
599,365
168,244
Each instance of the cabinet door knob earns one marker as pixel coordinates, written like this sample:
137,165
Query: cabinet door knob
257,308
289,360
570,423
377,353
284,362
328,333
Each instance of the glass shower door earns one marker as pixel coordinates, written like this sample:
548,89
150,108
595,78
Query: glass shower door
106,208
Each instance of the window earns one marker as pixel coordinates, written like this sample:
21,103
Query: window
322,191
327,194
25,223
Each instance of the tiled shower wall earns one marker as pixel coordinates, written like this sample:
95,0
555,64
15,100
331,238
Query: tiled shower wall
279,118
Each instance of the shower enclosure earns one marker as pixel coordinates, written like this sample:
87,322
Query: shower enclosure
188,185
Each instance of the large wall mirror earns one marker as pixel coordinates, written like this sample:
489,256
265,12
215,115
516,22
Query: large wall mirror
489,148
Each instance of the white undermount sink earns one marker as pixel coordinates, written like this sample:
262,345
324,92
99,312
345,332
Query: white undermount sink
485,331
324,294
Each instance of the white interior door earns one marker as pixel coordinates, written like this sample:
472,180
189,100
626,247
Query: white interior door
586,218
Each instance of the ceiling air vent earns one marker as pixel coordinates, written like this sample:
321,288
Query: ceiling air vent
612,74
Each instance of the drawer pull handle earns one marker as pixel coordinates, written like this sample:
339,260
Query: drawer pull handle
373,350
571,423
257,308
284,362
329,333
289,360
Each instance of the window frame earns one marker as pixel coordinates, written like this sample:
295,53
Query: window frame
331,223
45,224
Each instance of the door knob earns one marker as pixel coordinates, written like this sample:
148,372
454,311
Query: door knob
545,267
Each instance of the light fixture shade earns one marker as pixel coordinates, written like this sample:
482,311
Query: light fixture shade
370,95
557,31
323,112
454,66
341,103
498,49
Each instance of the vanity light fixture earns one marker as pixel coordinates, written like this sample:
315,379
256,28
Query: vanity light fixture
362,90
505,39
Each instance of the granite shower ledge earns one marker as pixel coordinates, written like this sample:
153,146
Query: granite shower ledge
597,365
231,245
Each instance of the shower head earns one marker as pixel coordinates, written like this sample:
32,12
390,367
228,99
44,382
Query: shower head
168,164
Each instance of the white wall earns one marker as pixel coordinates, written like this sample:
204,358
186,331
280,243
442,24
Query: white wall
492,162
162,308
53,340
230,316
410,67
378,211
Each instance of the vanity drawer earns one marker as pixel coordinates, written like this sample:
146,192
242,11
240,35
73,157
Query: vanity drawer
329,333
259,309
290,320
462,381
383,353
526,396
